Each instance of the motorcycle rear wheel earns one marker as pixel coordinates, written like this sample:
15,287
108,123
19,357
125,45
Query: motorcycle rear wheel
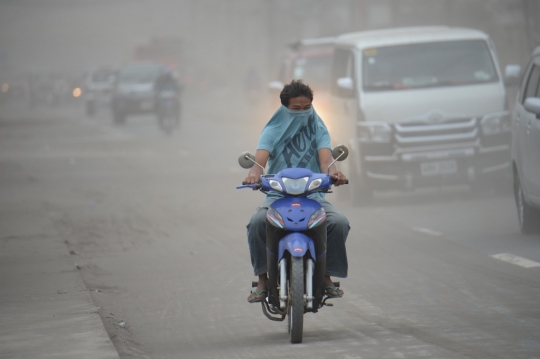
296,302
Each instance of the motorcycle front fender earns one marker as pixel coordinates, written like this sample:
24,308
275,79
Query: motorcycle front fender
297,244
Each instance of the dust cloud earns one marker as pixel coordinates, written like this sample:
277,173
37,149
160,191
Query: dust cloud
218,41
216,47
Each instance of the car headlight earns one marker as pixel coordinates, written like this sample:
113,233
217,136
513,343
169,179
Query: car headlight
379,132
314,184
317,218
295,186
275,185
495,123
275,218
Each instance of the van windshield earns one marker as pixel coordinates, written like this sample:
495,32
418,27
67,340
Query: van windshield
435,64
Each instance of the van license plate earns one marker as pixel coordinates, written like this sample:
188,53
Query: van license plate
438,168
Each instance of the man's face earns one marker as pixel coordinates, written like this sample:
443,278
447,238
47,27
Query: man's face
299,103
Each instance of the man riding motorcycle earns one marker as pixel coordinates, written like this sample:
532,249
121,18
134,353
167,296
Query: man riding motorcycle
166,82
296,136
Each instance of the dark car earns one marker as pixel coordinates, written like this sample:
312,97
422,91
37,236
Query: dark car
134,91
526,147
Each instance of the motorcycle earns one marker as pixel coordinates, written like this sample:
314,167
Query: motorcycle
168,111
295,242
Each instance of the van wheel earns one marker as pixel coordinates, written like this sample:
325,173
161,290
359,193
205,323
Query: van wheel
527,215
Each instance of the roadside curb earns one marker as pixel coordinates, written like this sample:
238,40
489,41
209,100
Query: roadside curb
45,309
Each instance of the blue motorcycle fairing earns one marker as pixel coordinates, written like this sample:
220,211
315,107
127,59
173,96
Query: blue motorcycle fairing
297,173
297,244
296,211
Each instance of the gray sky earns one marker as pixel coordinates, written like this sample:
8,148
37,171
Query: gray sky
223,38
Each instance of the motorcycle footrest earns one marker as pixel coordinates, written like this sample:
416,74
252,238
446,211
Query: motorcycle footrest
323,303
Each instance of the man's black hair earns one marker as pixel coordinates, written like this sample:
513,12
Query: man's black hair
295,89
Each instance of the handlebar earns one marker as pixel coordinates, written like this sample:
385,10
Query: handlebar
334,181
254,185
258,185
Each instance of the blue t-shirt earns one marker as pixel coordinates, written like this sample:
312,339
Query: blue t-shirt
293,139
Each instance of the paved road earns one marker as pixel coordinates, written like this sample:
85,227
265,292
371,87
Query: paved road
159,233
45,309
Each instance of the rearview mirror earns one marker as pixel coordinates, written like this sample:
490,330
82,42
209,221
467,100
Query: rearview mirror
532,104
340,152
512,74
246,160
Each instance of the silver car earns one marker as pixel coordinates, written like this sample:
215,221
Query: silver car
97,91
526,147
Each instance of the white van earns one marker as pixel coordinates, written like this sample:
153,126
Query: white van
419,106
526,147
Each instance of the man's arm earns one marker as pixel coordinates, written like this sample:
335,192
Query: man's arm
255,172
325,159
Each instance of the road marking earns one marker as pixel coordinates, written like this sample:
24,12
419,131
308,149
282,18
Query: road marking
427,231
522,262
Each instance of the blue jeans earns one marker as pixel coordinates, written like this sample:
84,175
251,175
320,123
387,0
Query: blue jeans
337,231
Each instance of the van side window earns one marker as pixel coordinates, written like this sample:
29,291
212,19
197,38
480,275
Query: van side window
532,83
523,81
343,66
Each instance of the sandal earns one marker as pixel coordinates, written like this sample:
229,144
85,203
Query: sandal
256,297
337,293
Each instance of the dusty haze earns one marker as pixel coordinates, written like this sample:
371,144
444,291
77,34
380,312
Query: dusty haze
222,38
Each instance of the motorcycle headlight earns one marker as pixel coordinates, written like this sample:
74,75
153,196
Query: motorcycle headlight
295,186
317,218
379,132
275,218
314,184
495,123
275,185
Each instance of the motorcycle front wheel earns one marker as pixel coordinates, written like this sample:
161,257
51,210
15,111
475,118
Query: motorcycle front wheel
168,122
296,300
